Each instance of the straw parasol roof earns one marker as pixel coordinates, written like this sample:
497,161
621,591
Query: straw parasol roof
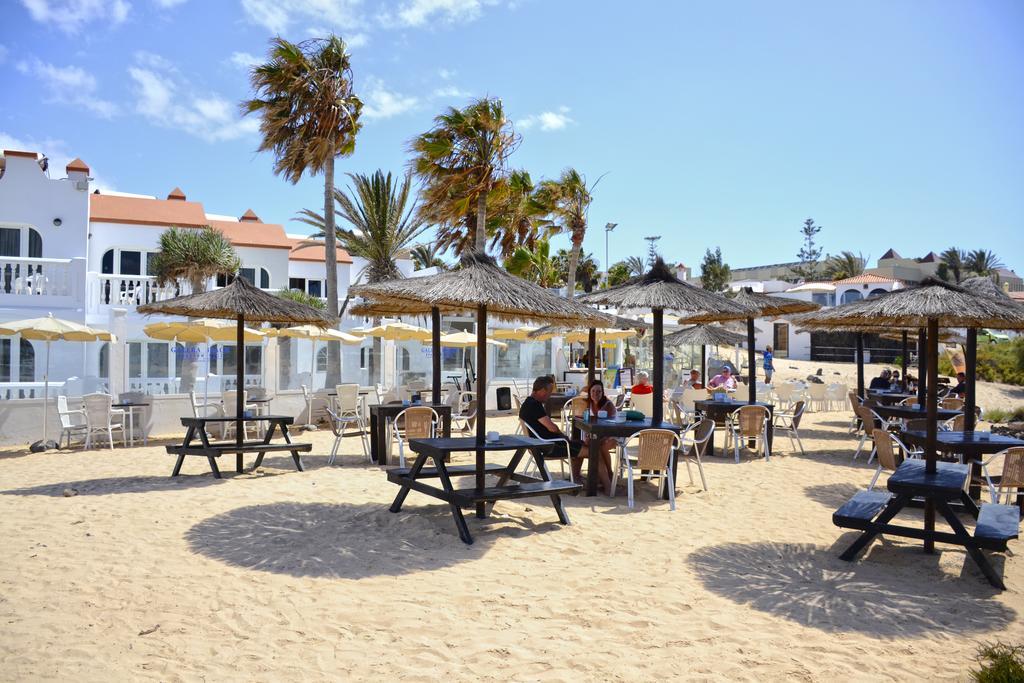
239,298
660,288
479,281
986,286
912,307
705,335
764,305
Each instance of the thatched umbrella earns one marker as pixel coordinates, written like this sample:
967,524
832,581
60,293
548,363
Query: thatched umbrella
241,302
659,290
705,335
932,304
765,306
619,327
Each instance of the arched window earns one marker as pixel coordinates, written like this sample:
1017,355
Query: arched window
35,244
105,361
28,362
876,292
321,360
851,295
406,360
264,278
107,267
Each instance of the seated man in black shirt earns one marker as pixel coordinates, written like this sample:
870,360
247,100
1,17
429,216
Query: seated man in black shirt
534,413
882,382
960,390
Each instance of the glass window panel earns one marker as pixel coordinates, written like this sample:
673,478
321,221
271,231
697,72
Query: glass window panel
227,360
5,360
28,362
298,283
321,360
135,360
264,278
35,244
10,242
108,262
314,288
249,274
131,263
157,359
150,258
105,361
253,360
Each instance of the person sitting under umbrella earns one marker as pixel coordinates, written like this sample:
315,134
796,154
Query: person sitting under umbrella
694,381
643,384
723,380
881,382
961,385
534,413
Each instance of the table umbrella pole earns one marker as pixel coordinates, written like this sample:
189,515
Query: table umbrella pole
312,383
591,352
703,364
751,363
903,363
435,353
44,445
239,381
658,344
933,425
481,403
971,363
860,365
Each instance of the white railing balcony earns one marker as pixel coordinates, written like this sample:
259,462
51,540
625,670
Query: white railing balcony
129,291
41,282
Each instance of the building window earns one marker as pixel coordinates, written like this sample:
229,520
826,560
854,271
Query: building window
105,361
35,244
157,359
150,257
298,283
253,360
249,274
131,263
314,288
824,298
107,266
135,360
406,360
321,360
264,278
10,242
850,295
362,358
877,292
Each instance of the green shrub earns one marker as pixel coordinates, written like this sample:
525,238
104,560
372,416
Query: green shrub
999,663
997,362
997,415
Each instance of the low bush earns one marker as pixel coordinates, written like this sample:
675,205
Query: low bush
1003,415
999,663
997,362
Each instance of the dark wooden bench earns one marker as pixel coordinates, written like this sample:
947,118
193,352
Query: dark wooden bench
859,511
997,524
212,450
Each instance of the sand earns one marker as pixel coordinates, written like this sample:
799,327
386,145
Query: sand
281,575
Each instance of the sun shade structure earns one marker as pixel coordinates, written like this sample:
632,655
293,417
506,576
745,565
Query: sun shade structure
50,329
464,340
931,305
705,336
518,333
764,306
659,290
239,301
618,328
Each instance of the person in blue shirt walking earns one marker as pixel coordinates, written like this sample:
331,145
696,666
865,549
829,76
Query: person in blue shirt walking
769,368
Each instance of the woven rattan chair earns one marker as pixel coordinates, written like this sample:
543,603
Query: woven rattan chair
652,455
909,401
574,407
869,420
417,422
749,422
854,403
888,458
952,403
699,434
789,422
1011,481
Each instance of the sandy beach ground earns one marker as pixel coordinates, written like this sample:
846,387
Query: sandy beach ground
281,575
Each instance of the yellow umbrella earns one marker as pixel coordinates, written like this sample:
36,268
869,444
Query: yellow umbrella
602,335
462,340
314,334
517,333
396,331
51,329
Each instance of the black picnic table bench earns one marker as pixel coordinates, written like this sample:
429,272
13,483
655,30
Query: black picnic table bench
873,511
211,450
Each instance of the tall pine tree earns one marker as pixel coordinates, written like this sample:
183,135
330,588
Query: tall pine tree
809,253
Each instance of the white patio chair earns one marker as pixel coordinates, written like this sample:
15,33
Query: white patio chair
784,394
652,456
464,417
695,442
643,402
348,410
72,422
527,429
817,397
228,400
835,397
102,418
789,422
415,422
748,422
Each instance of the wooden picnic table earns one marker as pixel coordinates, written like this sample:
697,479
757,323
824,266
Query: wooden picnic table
479,496
381,416
873,511
719,411
600,428
211,450
973,446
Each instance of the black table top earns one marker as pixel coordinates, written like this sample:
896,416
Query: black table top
911,477
463,444
711,404
969,443
913,412
396,408
615,428
889,396
283,419
129,404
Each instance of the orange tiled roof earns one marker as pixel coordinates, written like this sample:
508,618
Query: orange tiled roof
77,164
303,251
1019,296
865,279
105,208
253,234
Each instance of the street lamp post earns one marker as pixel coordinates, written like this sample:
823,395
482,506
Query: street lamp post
608,227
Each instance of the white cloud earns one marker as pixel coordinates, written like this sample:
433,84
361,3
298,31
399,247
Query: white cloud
167,4
69,85
446,74
245,60
355,40
278,15
381,103
450,91
419,12
56,151
547,120
71,15
168,100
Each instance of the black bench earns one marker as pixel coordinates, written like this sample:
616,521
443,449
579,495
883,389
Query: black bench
996,525
858,512
212,450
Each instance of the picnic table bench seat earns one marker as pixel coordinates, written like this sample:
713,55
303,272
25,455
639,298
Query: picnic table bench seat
471,496
859,511
211,450
996,525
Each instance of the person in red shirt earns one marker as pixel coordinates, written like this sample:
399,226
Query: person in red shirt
643,384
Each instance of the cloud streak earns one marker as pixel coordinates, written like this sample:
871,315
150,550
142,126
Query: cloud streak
71,85
547,121
71,15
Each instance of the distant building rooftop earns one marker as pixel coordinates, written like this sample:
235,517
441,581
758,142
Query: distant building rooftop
865,279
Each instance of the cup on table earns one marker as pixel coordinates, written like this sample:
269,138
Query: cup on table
493,436
984,436
620,417
405,402
602,415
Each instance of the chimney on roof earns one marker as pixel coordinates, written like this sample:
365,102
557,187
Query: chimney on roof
176,193
250,216
78,173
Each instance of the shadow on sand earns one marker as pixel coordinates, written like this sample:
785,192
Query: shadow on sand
831,496
321,540
811,586
109,485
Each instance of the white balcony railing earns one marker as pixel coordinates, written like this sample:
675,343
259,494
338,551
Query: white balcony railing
130,290
39,277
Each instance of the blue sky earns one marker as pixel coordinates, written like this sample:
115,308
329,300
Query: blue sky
892,124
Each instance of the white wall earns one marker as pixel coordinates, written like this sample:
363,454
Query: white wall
274,260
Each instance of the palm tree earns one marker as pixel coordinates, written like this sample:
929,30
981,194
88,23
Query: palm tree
635,265
460,161
567,201
310,116
954,261
586,269
984,263
517,218
193,256
383,227
535,265
428,256
843,265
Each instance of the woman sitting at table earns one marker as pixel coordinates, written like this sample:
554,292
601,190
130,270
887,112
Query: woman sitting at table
598,402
